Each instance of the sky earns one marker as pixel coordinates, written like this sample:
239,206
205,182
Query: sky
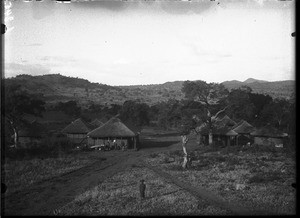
151,42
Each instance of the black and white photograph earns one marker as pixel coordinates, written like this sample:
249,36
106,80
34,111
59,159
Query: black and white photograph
148,108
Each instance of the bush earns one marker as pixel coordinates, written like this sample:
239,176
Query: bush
220,159
153,155
49,147
255,148
233,161
178,153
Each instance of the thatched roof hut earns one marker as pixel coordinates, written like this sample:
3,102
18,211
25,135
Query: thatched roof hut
78,126
216,130
243,128
113,128
239,123
269,132
231,133
269,135
96,123
225,121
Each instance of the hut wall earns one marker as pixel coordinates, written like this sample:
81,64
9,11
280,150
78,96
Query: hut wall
244,139
76,138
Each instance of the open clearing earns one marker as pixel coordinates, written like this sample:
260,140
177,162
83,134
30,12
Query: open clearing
106,183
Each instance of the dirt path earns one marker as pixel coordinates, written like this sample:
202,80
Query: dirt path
199,192
45,197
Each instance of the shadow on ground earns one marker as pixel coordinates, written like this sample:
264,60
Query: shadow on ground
146,143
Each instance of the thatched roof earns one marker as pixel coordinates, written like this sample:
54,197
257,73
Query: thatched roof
244,128
216,130
231,133
239,123
78,126
96,123
225,121
269,131
112,128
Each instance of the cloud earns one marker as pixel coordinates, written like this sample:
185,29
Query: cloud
13,69
180,7
42,9
58,59
105,4
198,50
34,44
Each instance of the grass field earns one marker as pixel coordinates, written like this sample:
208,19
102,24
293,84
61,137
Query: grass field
21,174
119,195
258,178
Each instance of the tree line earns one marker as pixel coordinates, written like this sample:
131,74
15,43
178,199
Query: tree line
203,102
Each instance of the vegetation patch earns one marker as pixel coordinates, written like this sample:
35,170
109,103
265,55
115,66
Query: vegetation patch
258,179
119,195
20,174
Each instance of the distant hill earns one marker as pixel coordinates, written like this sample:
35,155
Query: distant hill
56,87
278,89
251,80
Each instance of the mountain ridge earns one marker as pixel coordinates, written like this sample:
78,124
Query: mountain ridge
56,87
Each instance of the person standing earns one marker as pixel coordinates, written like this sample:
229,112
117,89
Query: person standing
142,187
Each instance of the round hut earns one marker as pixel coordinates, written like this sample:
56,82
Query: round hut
77,131
113,129
268,135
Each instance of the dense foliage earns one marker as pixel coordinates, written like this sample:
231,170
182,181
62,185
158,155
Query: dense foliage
200,103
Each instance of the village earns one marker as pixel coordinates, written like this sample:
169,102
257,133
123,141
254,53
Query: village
115,135
148,108
199,154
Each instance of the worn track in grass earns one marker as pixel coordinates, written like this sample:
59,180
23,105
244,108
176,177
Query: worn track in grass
199,192
45,197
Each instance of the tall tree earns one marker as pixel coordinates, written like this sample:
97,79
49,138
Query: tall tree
135,113
259,101
277,113
241,106
18,103
209,95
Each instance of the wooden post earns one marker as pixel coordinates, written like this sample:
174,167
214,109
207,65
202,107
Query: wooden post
134,141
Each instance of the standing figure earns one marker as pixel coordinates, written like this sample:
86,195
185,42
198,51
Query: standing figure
123,145
185,163
115,144
142,189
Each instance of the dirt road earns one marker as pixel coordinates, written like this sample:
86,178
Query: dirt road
44,197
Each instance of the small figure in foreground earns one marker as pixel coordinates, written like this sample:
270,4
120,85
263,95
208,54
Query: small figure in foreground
142,189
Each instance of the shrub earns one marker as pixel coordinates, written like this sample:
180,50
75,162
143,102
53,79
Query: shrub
233,161
153,155
220,159
178,153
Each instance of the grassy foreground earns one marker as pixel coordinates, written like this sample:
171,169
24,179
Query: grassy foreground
21,174
119,195
256,179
